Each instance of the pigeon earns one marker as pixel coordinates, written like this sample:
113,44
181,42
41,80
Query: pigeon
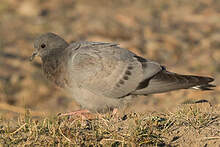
103,76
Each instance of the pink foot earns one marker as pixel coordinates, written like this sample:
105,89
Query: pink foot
85,114
115,111
78,112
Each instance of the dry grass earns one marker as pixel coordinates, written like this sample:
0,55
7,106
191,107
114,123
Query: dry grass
179,128
182,34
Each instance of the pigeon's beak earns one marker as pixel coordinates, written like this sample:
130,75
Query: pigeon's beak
35,53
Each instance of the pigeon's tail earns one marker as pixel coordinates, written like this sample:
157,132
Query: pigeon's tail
167,81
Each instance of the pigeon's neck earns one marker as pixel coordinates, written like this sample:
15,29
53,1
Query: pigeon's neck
54,67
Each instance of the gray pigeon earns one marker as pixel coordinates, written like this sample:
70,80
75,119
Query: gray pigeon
102,76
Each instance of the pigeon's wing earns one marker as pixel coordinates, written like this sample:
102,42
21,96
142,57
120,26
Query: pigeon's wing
106,69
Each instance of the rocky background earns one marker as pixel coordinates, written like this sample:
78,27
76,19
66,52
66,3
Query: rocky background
184,35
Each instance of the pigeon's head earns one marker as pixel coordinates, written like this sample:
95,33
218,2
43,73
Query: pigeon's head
46,43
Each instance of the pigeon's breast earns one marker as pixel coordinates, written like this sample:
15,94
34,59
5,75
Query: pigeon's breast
55,71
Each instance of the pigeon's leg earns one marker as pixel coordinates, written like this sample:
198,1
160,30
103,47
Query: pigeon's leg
84,113
115,111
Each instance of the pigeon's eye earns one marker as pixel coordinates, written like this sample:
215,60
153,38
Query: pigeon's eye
43,45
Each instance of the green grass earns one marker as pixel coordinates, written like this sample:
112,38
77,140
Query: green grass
132,129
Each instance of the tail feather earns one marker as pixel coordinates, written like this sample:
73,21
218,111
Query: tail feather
167,81
204,87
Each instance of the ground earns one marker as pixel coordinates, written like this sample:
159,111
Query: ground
183,35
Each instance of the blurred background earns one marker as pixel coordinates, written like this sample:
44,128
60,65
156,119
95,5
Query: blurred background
184,35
